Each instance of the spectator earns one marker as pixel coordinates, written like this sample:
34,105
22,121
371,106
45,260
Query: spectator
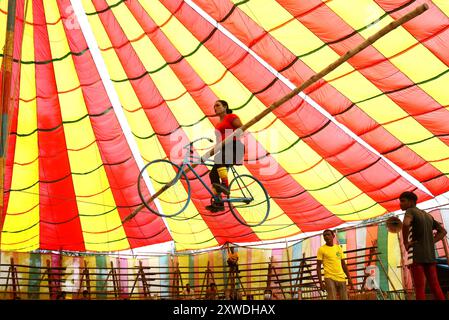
331,256
233,258
85,295
188,292
419,241
211,292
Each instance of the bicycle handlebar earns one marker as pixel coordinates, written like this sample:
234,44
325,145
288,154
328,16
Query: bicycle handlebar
189,145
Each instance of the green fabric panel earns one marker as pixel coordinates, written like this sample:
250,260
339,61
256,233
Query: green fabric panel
224,255
165,280
341,235
102,270
296,254
35,278
382,247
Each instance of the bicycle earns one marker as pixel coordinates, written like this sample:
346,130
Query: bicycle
248,200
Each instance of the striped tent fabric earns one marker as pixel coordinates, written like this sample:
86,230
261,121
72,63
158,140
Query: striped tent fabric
100,91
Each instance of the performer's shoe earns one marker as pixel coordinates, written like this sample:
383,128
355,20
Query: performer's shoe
216,207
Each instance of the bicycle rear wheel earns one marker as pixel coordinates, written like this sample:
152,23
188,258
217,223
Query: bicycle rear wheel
161,173
248,201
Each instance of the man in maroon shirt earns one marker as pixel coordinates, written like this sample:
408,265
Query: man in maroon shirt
419,241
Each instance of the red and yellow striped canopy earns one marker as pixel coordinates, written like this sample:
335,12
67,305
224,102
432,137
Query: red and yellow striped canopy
341,151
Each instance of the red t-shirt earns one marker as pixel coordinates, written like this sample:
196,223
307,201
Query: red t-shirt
225,126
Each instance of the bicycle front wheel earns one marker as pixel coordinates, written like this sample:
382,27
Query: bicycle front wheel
164,175
248,201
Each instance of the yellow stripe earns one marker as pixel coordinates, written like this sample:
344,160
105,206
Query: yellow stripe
26,150
394,261
79,134
433,149
184,264
443,5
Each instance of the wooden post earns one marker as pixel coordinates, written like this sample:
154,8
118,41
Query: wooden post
279,283
382,32
304,268
234,275
85,277
176,281
141,275
50,282
12,272
7,280
105,286
300,276
388,277
115,281
272,273
208,278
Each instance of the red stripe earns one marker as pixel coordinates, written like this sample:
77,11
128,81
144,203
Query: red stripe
279,183
53,158
144,229
162,120
342,152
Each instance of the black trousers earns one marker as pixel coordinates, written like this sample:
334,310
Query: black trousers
229,155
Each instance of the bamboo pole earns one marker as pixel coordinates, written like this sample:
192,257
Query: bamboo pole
382,32
5,99
7,64
388,278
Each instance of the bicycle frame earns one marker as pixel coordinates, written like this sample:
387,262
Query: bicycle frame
245,211
187,163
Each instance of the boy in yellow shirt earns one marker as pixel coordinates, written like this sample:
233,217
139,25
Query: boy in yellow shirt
335,270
